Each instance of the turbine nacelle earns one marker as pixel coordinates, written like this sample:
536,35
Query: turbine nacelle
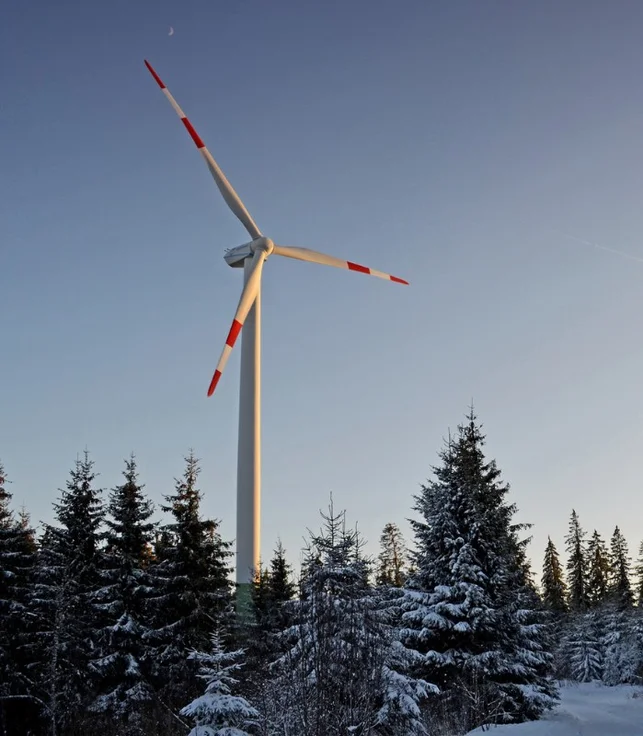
235,257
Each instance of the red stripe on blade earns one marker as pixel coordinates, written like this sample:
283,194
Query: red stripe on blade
193,133
357,267
154,74
234,333
398,281
213,382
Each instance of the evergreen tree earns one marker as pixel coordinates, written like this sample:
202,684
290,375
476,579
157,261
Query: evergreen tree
218,712
258,633
272,587
622,646
6,515
620,586
7,540
123,686
280,580
260,596
193,590
341,671
639,578
553,583
64,600
17,557
272,591
391,570
576,565
470,614
598,571
582,650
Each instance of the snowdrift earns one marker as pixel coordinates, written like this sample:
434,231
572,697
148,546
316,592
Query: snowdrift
587,709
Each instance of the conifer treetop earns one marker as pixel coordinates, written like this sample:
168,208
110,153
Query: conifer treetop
553,582
6,515
392,560
282,586
639,578
575,542
218,712
598,571
620,585
129,532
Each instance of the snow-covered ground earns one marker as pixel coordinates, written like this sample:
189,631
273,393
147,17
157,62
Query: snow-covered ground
588,709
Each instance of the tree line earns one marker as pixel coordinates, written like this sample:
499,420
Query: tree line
112,623
597,607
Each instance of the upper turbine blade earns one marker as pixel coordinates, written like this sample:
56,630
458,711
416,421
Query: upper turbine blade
312,256
230,196
248,296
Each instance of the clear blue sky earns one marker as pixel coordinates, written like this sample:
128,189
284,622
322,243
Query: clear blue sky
451,143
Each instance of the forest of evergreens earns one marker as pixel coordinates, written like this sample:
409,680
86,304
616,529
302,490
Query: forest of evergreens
113,624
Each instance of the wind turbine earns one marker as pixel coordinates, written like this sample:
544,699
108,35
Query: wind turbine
251,256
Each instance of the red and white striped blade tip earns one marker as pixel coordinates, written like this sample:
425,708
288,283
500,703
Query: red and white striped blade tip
373,272
365,269
233,334
213,382
154,74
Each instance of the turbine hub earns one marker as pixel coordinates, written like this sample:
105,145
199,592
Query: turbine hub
262,243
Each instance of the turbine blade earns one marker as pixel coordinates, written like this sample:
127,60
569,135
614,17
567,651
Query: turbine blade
230,196
248,296
312,256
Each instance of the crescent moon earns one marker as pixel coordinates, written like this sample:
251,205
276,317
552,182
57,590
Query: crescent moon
171,33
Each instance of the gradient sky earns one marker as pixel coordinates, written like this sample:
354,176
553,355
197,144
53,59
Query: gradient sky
457,144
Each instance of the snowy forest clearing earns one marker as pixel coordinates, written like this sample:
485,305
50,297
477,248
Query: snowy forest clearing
586,709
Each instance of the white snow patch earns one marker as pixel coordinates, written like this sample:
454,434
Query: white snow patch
586,709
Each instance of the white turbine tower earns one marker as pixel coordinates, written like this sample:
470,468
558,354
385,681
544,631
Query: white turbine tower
251,256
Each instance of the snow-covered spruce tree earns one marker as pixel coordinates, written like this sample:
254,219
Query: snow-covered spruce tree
192,591
581,649
553,582
598,571
17,558
639,578
272,587
471,618
260,597
554,598
637,627
637,630
576,566
123,691
218,712
392,560
64,601
622,646
257,633
620,589
342,671
280,579
272,591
